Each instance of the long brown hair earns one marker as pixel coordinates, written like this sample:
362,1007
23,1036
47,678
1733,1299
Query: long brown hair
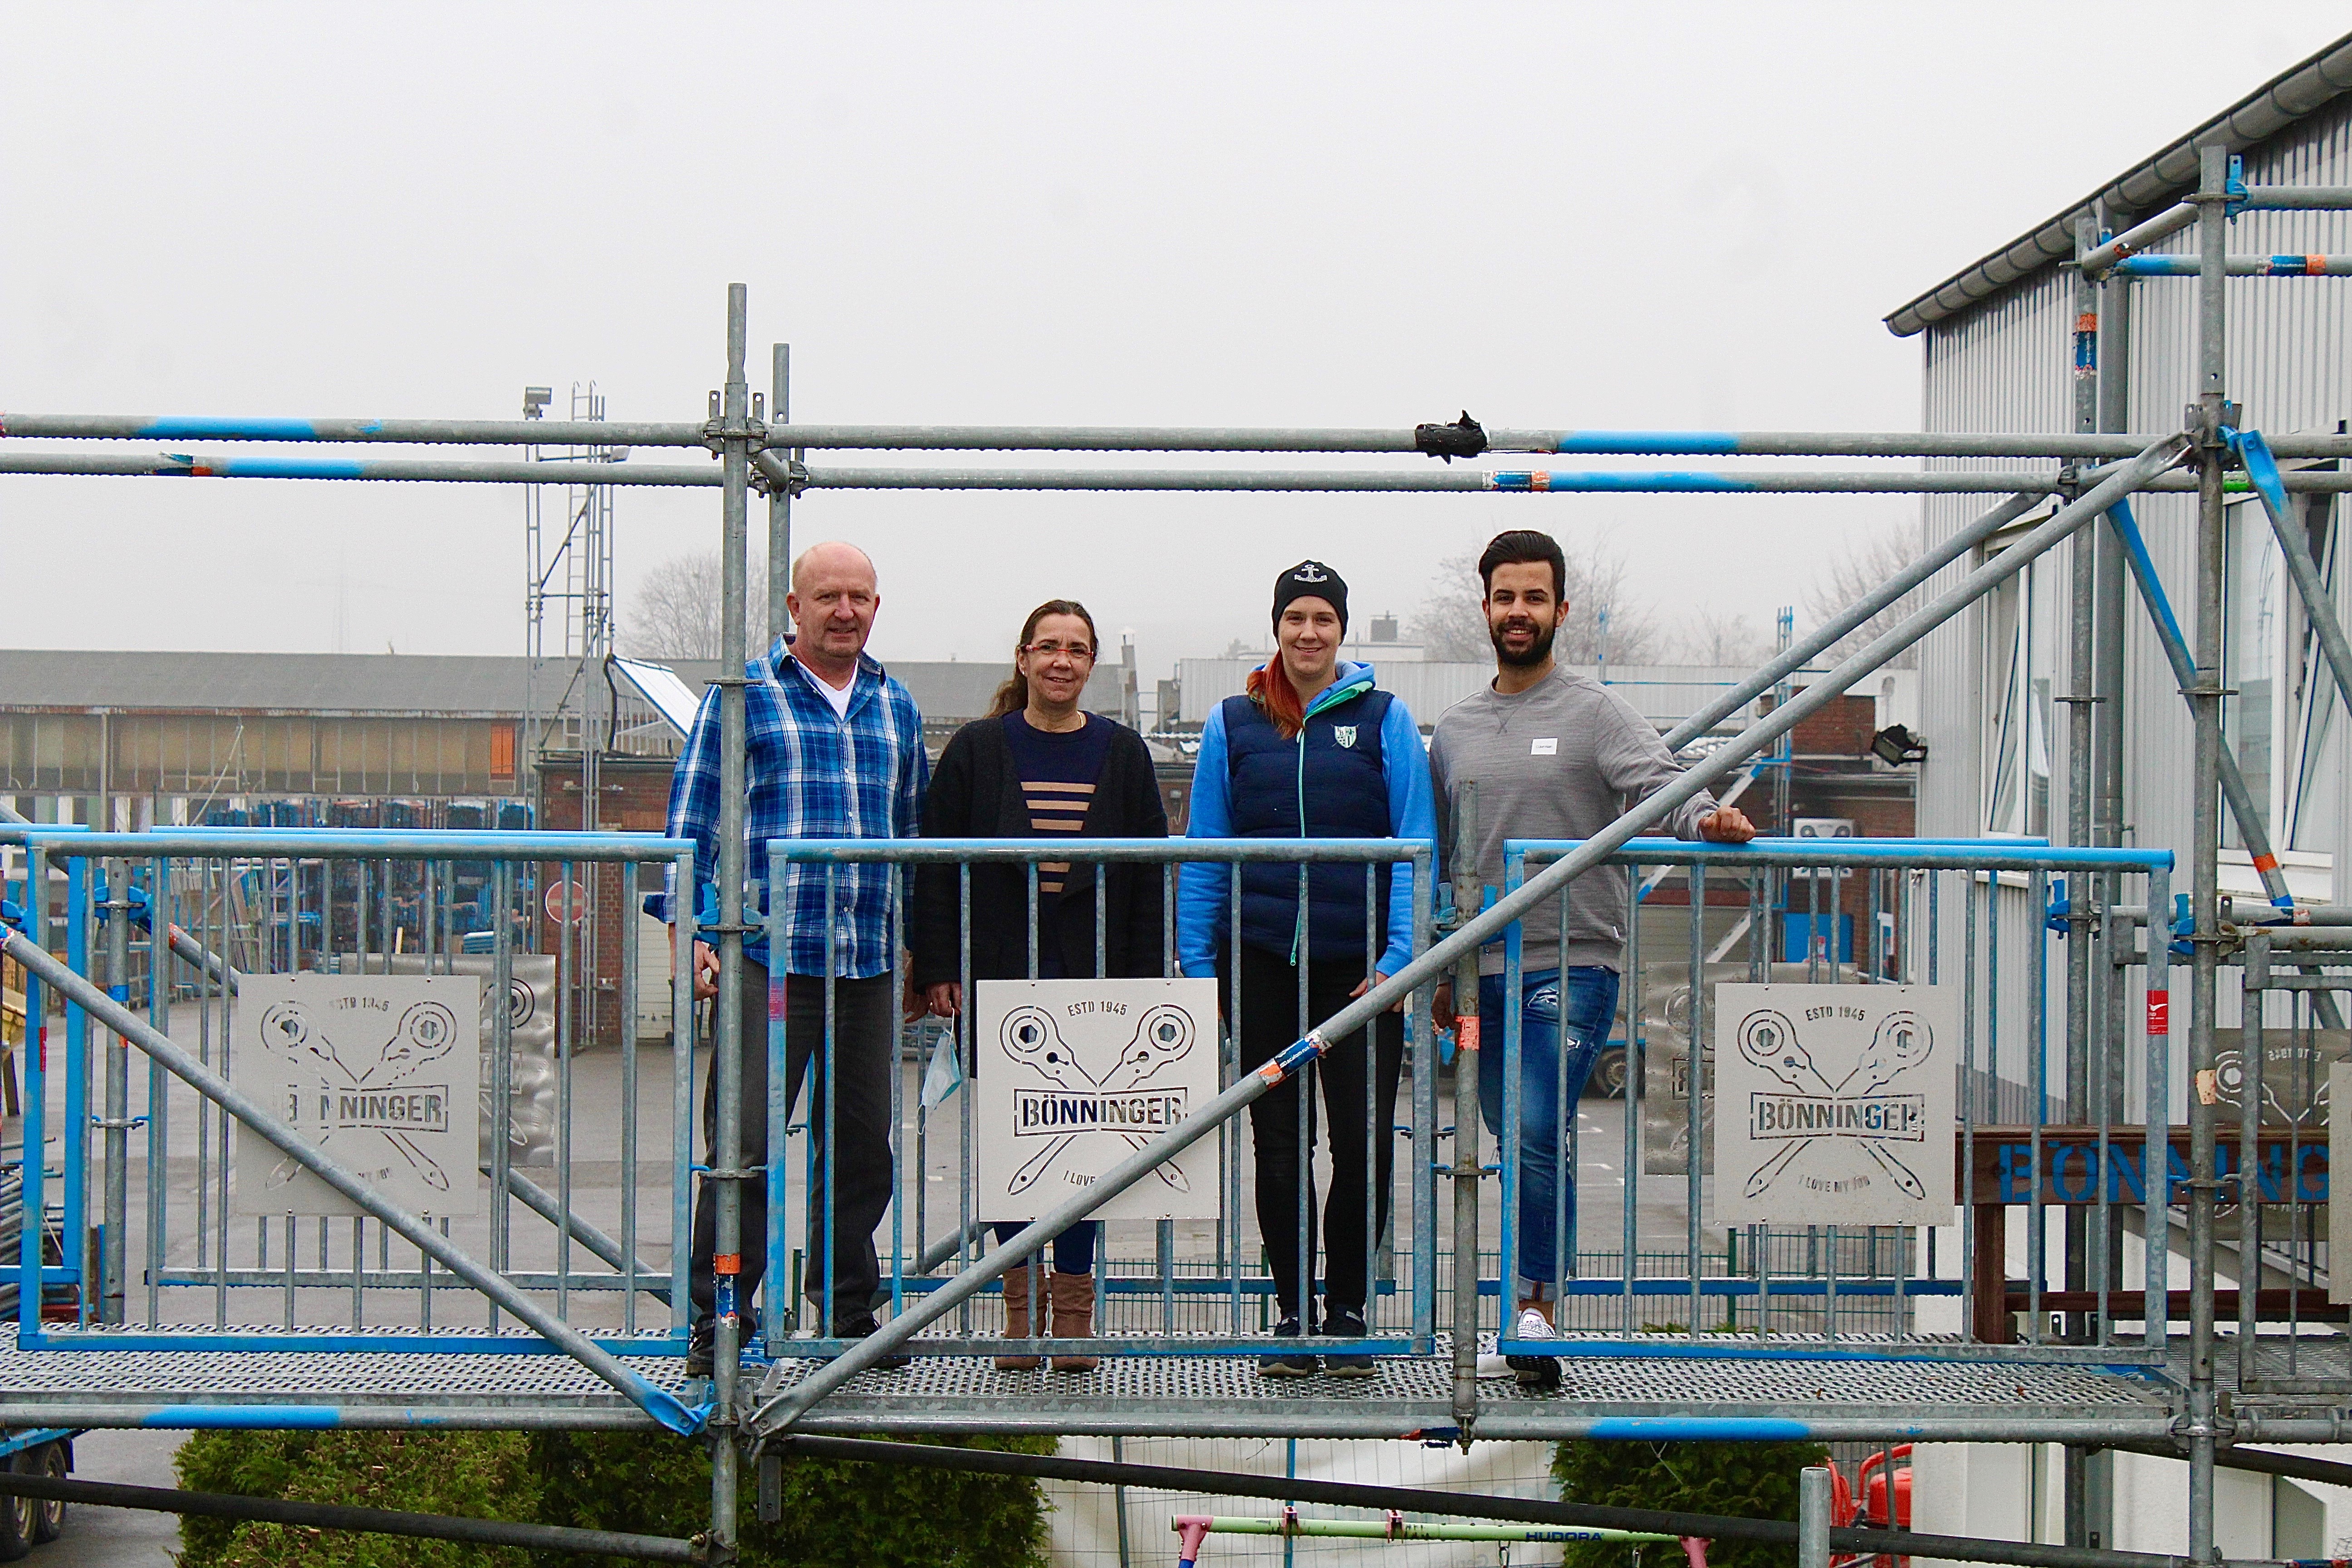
1014,695
1269,687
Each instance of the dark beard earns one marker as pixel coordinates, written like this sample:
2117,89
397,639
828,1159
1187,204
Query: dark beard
1538,651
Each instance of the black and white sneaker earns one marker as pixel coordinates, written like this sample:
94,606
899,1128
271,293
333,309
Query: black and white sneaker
1346,1325
1535,1371
1301,1363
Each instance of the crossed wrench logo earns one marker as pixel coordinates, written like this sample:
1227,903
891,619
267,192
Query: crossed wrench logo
426,1032
1769,1041
1029,1036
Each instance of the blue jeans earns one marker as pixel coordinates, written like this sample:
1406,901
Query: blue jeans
1584,1006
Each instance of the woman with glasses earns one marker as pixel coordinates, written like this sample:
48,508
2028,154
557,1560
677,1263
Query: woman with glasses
1037,766
1314,749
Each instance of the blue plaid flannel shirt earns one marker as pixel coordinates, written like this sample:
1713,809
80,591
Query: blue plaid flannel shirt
808,774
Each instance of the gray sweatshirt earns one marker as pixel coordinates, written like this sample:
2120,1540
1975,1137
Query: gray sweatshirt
1561,760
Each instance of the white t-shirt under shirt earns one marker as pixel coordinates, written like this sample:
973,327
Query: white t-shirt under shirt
838,695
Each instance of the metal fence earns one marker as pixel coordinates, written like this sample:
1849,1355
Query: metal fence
591,1186
168,928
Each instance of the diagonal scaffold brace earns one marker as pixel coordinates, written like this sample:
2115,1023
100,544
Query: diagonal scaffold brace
781,1404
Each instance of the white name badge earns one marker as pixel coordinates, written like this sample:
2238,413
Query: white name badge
1548,746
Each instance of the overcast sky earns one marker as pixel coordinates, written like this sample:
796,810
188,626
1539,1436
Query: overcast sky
1683,215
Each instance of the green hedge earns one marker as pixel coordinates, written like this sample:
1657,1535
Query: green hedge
1751,1480
870,1516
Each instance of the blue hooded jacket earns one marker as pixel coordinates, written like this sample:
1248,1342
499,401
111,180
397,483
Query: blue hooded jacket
1357,770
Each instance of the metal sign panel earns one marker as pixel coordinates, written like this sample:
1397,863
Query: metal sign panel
378,1072
1836,1104
1075,1075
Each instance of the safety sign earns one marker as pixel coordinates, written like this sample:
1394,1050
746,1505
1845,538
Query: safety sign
378,1072
1073,1076
1834,1104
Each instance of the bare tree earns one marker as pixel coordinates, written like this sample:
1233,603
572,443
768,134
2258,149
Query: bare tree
1451,624
673,614
1863,563
1717,636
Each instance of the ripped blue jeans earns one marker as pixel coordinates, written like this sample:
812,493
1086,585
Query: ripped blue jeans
1583,1008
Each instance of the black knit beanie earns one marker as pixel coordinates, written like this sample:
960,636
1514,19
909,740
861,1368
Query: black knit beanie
1311,579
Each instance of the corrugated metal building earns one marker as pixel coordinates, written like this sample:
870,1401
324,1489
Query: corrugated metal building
170,736
1999,356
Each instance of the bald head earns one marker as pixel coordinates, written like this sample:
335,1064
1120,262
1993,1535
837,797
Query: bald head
833,602
831,558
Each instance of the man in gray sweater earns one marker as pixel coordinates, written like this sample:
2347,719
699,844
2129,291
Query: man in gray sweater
1554,755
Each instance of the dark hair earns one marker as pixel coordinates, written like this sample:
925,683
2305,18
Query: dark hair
1014,695
1524,545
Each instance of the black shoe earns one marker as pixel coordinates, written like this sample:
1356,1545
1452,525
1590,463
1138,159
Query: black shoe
858,1328
1289,1363
704,1336
1342,1324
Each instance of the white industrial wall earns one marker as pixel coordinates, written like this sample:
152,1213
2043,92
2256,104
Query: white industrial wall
2007,365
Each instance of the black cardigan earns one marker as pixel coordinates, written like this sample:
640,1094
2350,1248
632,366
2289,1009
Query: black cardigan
976,794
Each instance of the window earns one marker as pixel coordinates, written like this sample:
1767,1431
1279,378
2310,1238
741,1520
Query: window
2253,599
2312,722
2017,693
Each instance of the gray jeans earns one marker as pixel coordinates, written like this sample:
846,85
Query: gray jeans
862,1039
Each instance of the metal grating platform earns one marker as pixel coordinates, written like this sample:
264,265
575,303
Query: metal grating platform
89,1385
1600,1395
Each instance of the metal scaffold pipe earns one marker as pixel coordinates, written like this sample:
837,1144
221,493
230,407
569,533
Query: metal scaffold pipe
340,1517
1825,636
2238,266
780,434
425,471
778,1410
1672,1524
732,405
1504,481
2213,414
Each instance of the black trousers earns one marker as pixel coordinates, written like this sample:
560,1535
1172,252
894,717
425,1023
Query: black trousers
1266,1019
864,1037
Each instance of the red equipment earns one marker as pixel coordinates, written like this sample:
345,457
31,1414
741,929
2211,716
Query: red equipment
1870,1511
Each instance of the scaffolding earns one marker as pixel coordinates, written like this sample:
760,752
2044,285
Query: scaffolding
2114,907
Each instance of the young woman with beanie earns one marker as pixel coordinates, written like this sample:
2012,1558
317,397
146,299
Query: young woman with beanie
1315,750
1037,766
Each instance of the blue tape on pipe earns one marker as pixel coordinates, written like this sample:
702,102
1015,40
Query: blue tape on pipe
288,469
1610,441
1563,481
2262,469
1701,1429
202,428
247,1417
669,1410
2135,546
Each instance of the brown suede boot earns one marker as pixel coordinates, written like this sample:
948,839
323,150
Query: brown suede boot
1073,1318
1016,1320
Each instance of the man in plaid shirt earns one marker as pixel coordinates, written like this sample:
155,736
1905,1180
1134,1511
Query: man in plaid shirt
835,751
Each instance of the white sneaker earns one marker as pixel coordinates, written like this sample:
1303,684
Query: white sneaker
1538,1372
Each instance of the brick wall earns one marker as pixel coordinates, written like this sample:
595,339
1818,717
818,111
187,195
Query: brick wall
634,797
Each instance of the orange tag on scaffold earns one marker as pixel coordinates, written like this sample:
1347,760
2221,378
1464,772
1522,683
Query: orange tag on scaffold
1466,1031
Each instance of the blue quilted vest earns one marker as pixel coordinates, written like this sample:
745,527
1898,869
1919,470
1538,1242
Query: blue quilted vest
1334,765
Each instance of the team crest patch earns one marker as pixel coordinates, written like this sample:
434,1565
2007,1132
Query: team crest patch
1344,734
